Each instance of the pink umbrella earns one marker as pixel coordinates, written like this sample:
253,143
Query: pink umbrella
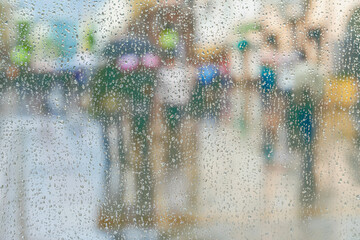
128,62
151,60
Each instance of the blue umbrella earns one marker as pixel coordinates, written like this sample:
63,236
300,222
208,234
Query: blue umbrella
207,74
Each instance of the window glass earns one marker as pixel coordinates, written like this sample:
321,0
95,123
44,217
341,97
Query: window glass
179,119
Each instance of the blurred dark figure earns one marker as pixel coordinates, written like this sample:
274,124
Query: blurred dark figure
206,101
122,89
107,106
174,92
268,100
303,117
140,94
174,183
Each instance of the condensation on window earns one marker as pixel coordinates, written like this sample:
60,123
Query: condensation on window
179,119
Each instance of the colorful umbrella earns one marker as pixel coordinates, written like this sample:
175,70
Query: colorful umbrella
207,74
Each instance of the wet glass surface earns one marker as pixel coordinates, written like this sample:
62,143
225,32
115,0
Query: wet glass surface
179,119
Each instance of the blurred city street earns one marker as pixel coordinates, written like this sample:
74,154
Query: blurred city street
184,119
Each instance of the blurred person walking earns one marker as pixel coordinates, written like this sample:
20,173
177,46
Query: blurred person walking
125,91
308,93
107,103
172,93
140,86
245,70
269,99
287,63
206,100
175,83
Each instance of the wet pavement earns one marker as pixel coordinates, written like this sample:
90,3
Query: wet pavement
237,196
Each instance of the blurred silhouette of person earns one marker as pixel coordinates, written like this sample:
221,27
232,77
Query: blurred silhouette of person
286,82
174,89
141,91
124,89
206,101
308,92
107,103
175,83
268,87
226,84
246,73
